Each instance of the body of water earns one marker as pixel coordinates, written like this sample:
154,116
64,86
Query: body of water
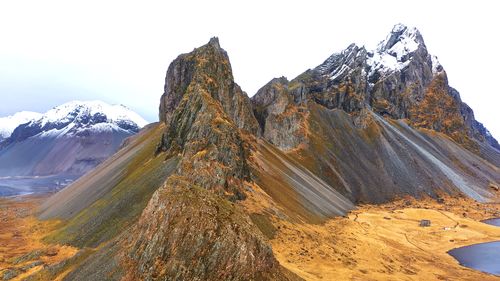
495,221
483,257
13,186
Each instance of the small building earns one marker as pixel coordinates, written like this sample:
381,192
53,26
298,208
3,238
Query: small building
425,223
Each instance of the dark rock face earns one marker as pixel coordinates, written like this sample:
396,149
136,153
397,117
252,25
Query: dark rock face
394,80
475,127
203,125
208,67
188,233
214,155
439,110
281,120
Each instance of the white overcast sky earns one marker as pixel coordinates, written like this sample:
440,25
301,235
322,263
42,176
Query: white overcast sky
118,51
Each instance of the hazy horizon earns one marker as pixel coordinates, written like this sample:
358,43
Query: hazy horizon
118,52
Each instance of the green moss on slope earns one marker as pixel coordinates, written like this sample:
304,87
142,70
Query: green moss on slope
120,207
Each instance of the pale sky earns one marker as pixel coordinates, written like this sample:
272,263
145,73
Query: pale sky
118,51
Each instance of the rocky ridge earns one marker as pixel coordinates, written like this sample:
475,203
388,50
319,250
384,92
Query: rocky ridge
207,117
396,79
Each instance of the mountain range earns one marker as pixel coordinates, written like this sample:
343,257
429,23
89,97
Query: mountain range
198,195
63,143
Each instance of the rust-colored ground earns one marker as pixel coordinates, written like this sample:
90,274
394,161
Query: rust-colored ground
375,242
21,250
386,242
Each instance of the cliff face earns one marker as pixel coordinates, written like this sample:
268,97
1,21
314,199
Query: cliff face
398,79
281,119
188,233
204,111
207,68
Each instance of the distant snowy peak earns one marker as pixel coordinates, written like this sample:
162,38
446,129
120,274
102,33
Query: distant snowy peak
9,123
80,118
86,112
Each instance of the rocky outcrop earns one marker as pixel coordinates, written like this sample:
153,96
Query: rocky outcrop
439,110
208,67
204,109
213,152
281,120
188,233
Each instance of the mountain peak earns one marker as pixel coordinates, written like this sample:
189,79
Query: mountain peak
113,113
401,40
206,70
214,41
79,117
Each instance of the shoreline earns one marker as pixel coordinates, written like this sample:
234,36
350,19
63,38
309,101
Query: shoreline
380,242
373,242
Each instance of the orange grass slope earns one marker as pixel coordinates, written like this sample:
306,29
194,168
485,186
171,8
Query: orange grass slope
22,251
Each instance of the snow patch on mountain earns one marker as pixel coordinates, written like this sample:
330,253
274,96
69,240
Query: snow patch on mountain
436,66
9,123
393,53
79,118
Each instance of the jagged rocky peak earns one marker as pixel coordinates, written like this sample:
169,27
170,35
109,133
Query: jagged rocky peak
339,64
214,41
208,68
270,92
401,45
205,114
398,79
394,53
402,40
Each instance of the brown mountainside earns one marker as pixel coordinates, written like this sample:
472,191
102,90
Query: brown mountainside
300,151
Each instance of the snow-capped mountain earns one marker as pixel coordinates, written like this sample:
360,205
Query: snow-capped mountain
393,80
395,53
9,123
69,139
80,118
